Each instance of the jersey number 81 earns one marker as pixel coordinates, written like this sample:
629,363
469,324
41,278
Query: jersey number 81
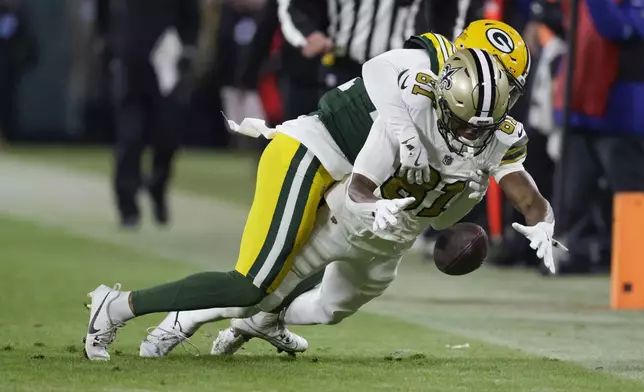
396,188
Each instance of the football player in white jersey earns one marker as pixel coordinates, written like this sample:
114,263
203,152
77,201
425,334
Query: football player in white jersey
376,216
465,131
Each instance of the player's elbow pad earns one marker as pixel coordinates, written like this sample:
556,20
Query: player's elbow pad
357,208
352,206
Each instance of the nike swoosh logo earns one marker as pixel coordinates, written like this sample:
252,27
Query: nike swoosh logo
416,162
400,75
403,85
405,141
93,330
275,341
520,133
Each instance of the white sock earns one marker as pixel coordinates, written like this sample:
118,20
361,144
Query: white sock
306,309
119,308
263,319
193,319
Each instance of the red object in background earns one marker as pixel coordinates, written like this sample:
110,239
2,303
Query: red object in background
494,10
596,67
271,99
268,90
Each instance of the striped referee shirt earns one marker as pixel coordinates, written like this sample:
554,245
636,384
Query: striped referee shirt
360,29
363,29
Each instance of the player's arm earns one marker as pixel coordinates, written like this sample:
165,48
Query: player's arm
382,76
372,167
523,194
385,77
512,177
520,189
361,201
361,189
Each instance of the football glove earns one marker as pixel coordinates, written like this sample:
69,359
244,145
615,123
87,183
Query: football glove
383,212
478,184
540,237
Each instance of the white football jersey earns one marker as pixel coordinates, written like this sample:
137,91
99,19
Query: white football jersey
444,200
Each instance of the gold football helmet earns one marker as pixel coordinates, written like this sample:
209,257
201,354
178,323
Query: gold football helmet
472,99
505,43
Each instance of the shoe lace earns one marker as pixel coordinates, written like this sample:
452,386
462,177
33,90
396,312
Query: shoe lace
284,333
106,337
173,334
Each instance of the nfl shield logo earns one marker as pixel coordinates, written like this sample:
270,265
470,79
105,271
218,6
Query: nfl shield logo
447,160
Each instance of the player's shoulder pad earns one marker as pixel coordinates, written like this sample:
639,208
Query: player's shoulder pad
437,46
418,86
511,133
513,139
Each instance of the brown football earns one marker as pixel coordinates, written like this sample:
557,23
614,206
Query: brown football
461,249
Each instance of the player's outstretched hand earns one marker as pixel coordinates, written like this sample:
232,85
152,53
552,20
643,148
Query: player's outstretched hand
414,161
479,181
386,211
540,237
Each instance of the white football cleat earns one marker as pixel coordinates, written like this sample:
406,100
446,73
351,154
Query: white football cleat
102,329
268,327
227,343
165,337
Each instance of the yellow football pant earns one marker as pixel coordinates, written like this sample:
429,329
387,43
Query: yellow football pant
290,185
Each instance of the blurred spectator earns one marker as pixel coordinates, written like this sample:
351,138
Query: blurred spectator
302,23
206,54
204,125
149,92
264,62
606,137
237,31
17,54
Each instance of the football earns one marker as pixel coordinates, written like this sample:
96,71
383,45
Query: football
460,249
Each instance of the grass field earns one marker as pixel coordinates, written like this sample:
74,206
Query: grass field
491,331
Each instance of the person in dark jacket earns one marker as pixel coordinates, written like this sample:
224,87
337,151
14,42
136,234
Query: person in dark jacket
605,142
143,115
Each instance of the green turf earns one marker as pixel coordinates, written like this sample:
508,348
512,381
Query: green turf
45,274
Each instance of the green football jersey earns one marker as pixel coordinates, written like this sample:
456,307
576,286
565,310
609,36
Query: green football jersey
347,113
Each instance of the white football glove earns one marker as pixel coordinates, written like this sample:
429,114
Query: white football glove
540,237
385,212
478,184
414,159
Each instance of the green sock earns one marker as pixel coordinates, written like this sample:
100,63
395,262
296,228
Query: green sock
199,291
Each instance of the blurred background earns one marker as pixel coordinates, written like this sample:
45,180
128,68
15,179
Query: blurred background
98,83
